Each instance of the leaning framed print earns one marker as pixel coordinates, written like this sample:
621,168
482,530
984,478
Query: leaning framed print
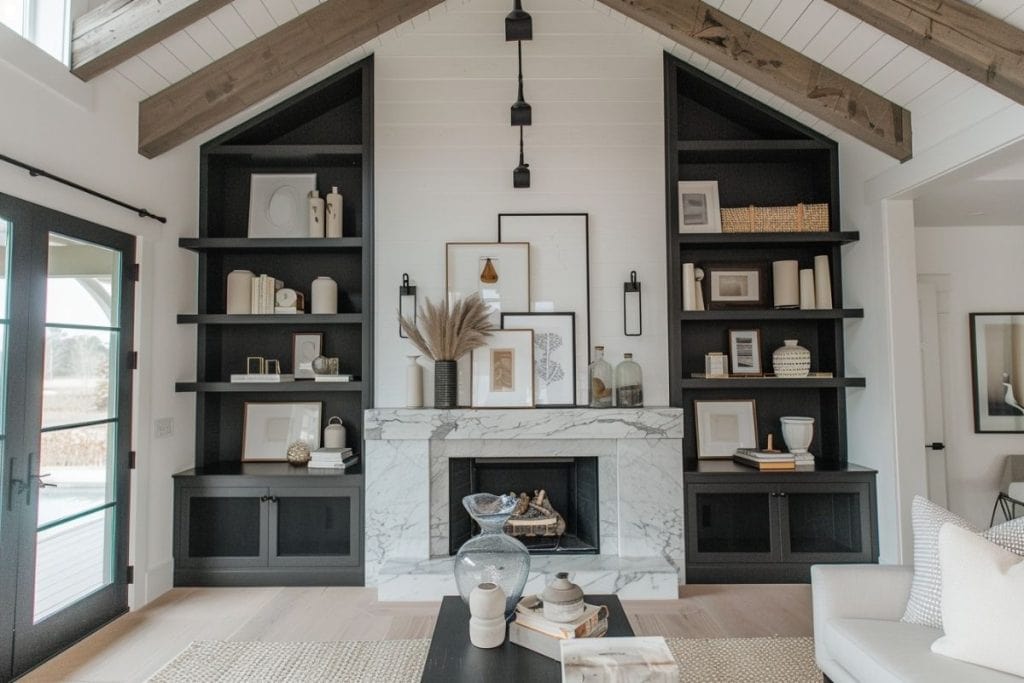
698,206
499,273
279,204
745,353
736,286
559,271
269,428
997,367
502,371
724,426
306,346
554,355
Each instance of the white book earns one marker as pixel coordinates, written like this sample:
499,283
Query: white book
333,378
618,660
254,378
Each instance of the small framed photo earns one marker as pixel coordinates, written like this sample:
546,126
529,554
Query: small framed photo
279,204
698,206
736,286
997,368
724,426
745,353
716,365
498,272
269,428
306,347
502,371
554,355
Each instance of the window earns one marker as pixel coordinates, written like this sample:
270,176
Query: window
44,22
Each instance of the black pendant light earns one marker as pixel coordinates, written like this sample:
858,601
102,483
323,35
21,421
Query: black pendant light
521,176
518,24
522,112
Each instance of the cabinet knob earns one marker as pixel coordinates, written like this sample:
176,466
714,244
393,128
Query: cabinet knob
264,499
273,499
782,494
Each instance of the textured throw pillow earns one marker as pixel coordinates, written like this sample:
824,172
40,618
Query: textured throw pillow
925,604
982,601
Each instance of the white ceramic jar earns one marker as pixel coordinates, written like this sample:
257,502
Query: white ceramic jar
563,599
791,360
334,433
797,432
325,295
239,292
487,615
334,205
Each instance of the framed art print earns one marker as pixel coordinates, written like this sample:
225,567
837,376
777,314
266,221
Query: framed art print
997,367
698,206
269,428
736,286
502,371
306,347
554,355
724,426
499,273
745,353
279,204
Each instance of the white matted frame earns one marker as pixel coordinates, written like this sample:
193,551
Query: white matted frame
509,264
745,353
559,270
502,371
724,426
306,346
698,206
279,204
269,428
554,355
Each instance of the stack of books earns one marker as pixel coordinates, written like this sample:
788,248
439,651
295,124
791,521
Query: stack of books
765,460
332,459
264,289
256,378
534,632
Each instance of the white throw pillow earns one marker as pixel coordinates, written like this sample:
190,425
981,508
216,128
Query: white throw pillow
982,601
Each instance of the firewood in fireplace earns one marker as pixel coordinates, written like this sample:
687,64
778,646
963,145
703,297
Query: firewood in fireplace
534,516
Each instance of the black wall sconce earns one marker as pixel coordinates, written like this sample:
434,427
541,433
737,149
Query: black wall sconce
632,307
406,303
518,24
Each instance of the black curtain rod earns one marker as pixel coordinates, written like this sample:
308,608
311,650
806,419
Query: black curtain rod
38,172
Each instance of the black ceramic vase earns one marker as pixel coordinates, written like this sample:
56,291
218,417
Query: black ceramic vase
446,384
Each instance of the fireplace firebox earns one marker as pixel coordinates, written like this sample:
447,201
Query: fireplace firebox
571,486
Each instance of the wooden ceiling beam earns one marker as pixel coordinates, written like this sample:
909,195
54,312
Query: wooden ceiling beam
119,29
260,68
779,69
960,36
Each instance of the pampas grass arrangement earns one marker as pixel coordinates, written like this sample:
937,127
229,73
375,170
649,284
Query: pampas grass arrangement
447,332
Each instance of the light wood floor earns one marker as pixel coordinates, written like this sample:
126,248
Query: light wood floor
138,644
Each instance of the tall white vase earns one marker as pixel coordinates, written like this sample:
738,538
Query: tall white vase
414,383
334,205
822,282
239,292
487,615
325,295
316,214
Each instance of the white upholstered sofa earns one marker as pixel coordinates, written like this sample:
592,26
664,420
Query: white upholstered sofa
858,635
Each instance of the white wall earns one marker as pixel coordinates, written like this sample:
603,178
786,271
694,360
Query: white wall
984,266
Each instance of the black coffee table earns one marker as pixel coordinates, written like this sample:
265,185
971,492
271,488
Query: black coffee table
452,658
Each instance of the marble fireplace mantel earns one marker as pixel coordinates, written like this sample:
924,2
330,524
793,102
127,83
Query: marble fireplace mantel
639,453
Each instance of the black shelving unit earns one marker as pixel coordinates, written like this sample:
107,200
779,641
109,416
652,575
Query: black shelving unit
760,158
327,130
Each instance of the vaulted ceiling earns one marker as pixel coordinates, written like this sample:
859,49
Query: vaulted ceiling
229,54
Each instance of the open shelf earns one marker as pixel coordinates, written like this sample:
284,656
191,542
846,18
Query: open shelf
296,387
785,314
749,145
763,239
774,383
302,319
304,153
243,244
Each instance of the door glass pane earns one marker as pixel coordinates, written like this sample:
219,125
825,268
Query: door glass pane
82,283
78,385
824,522
733,523
314,526
77,461
5,228
223,527
72,561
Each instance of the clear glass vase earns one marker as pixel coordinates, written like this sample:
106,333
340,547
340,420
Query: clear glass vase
492,556
601,381
629,383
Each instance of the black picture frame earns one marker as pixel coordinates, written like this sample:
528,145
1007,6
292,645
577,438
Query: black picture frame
757,270
997,383
572,323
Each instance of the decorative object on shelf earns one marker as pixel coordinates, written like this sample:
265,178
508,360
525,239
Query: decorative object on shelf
487,615
807,297
559,270
406,304
287,301
521,173
632,307
278,206
325,366
629,383
601,380
797,432
737,286
445,332
298,453
786,283
268,429
518,24
724,426
822,283
333,227
334,433
698,206
689,287
522,112
791,360
563,599
238,300
492,556
997,368
413,383
263,290
325,296
259,369
306,346
745,353
799,218
698,276
316,214
554,355
502,371
716,365
466,266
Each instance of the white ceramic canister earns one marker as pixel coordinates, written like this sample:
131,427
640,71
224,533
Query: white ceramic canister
334,433
791,360
334,205
325,295
239,292
487,615
563,599
316,214
797,432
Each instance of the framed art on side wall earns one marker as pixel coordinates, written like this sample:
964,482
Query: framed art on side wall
269,428
502,371
306,346
736,286
997,365
554,355
724,426
698,206
279,204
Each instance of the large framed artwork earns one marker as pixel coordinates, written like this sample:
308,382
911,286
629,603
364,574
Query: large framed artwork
997,365
269,428
279,204
503,371
554,355
724,426
559,271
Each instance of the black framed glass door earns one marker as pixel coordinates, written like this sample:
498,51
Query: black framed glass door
67,420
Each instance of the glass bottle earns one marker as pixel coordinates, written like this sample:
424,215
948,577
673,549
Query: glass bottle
629,383
600,372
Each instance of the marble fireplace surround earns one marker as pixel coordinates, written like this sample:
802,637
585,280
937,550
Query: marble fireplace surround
640,482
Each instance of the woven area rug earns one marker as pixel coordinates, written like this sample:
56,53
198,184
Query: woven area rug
717,660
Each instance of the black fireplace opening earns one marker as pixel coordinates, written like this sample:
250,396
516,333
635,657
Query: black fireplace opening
571,486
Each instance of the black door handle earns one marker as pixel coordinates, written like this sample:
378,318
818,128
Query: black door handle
935,446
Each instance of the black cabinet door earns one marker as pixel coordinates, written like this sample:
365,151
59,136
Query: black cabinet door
825,522
730,523
314,526
222,528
